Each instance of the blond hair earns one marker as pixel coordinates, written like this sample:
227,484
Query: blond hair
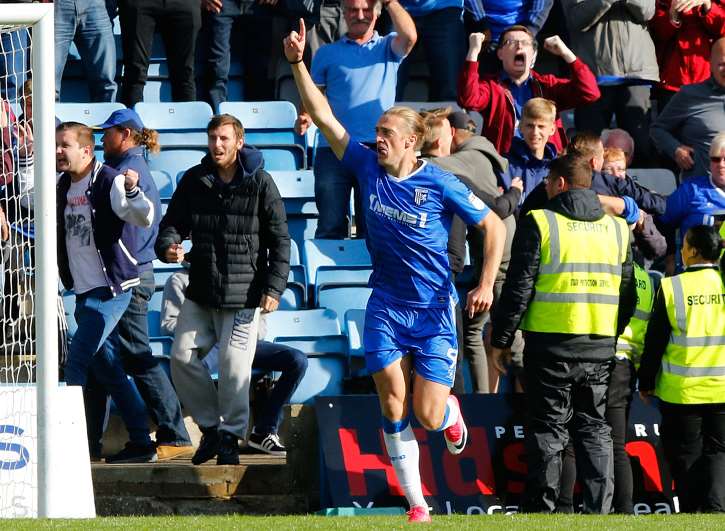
614,153
433,120
149,138
412,120
539,109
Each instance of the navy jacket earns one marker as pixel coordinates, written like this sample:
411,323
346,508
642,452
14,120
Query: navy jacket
523,164
145,236
114,237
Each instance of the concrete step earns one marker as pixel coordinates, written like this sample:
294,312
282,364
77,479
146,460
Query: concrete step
260,484
255,475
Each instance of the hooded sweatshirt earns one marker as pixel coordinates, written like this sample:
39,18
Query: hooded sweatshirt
523,164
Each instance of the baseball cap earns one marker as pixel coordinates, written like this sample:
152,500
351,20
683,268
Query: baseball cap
123,118
461,120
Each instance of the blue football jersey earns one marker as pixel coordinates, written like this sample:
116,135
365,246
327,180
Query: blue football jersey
408,220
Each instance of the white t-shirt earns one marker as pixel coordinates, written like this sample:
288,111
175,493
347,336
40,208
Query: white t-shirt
83,258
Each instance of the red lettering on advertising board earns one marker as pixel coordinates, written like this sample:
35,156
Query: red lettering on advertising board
645,452
476,450
356,463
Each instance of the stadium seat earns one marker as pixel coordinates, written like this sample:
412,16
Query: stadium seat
164,183
175,161
162,272
660,180
266,122
342,276
91,114
321,253
342,298
317,334
283,158
178,123
297,189
354,324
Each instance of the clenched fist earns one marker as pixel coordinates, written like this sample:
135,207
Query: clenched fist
555,45
130,179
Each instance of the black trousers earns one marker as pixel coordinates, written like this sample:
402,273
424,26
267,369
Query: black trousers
179,22
619,400
565,395
693,437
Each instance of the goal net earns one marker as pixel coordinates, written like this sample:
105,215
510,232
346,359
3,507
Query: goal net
42,428
18,410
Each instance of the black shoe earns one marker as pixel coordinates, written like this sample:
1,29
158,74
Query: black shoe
208,446
228,453
268,443
134,453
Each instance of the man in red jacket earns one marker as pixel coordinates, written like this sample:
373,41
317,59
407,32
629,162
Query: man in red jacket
683,32
500,97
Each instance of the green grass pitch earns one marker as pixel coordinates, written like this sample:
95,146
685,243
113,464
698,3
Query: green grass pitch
456,522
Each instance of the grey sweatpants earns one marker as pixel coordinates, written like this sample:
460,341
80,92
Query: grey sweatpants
197,331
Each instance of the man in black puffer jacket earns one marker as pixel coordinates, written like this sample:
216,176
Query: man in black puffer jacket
232,210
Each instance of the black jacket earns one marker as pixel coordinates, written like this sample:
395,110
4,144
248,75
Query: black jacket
518,290
238,232
606,184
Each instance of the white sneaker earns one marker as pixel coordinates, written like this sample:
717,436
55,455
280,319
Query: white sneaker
269,444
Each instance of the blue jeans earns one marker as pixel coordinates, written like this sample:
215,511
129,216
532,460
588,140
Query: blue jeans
94,348
332,195
14,59
250,31
293,364
443,37
86,23
148,374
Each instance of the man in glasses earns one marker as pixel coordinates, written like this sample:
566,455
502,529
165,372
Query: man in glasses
501,96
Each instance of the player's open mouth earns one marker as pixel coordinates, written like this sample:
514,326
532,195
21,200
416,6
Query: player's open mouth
520,59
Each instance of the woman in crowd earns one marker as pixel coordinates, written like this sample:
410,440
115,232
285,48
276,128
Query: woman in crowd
683,364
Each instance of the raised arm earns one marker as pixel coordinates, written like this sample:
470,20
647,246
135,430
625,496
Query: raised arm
313,100
403,25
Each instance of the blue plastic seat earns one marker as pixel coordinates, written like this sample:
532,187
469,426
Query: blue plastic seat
282,157
336,253
265,122
342,298
91,114
297,189
660,180
175,161
164,183
160,343
354,324
178,123
317,334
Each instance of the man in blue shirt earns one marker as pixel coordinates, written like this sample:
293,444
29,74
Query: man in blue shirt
409,321
358,74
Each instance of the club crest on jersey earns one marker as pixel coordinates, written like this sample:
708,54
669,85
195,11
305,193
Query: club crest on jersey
421,196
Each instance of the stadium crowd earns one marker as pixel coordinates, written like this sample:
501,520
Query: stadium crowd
558,105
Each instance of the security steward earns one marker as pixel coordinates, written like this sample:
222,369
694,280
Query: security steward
684,365
570,287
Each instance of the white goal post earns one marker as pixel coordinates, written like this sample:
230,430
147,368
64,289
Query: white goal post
39,17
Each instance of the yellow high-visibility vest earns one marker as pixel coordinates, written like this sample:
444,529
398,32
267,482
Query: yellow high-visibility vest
631,342
577,286
693,365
